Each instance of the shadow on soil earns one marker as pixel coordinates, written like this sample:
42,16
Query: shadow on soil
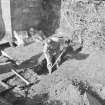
94,98
73,54
38,67
31,62
79,56
26,64
37,100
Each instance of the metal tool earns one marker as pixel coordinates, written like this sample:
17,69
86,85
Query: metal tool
58,57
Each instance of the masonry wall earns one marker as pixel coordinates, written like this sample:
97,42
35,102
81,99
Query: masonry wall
41,14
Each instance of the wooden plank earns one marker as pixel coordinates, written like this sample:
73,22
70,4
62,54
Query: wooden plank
6,14
21,77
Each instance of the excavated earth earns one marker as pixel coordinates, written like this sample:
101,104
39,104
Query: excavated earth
85,68
82,73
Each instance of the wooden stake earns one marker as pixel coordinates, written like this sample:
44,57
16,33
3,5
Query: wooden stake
22,78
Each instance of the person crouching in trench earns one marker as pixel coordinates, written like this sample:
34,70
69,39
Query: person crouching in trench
53,47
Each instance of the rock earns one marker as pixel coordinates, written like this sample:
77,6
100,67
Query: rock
24,53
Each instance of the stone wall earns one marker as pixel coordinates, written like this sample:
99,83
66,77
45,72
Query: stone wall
41,14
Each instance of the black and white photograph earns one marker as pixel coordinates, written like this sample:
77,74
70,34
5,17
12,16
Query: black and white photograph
52,52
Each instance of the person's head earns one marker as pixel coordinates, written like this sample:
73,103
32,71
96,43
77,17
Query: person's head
67,42
32,31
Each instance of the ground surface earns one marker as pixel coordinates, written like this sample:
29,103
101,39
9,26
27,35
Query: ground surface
83,71
57,88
